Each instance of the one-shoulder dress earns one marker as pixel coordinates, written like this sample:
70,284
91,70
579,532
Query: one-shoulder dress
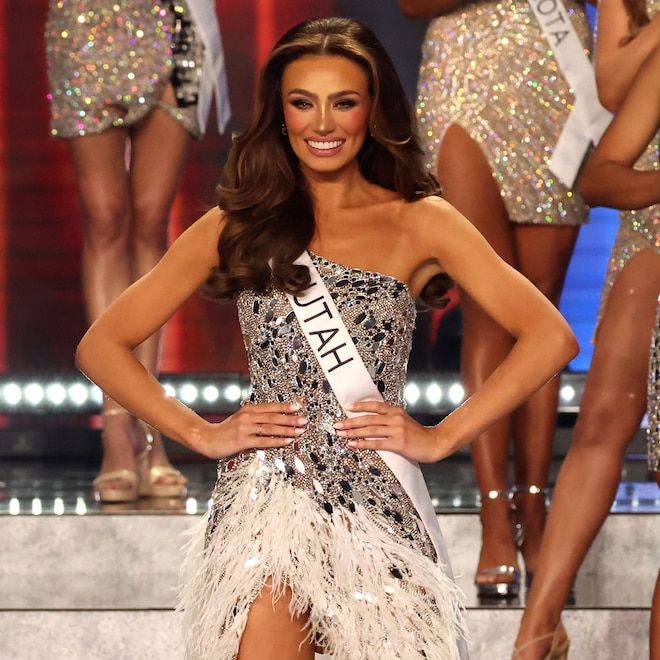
332,524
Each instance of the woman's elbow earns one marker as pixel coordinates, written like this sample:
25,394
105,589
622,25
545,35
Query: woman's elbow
411,9
566,343
84,353
592,186
609,95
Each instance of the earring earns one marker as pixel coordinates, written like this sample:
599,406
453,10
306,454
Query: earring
372,128
283,129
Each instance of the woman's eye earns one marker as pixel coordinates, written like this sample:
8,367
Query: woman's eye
345,104
301,104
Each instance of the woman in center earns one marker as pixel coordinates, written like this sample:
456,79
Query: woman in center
320,536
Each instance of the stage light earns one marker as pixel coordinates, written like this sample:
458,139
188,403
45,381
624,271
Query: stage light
12,394
81,507
169,389
210,394
56,393
58,506
36,506
96,394
233,392
78,394
188,393
191,506
33,393
456,393
457,501
567,393
412,393
434,394
14,506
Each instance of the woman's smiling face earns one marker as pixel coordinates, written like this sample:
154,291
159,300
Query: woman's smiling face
326,105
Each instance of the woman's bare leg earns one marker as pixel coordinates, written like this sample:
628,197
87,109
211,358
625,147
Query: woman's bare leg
271,633
612,407
159,145
106,270
543,254
468,185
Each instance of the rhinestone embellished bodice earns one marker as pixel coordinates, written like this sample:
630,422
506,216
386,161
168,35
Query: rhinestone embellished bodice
379,314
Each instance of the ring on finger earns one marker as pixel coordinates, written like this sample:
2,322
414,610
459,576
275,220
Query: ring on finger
261,430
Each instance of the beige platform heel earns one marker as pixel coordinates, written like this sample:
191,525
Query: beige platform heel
149,485
558,648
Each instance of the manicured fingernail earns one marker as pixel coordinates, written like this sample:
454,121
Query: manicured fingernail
339,425
289,440
350,406
301,421
342,434
351,444
294,406
299,431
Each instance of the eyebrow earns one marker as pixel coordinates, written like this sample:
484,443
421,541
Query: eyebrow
304,92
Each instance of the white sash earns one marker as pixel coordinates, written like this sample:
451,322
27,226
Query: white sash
350,381
214,74
588,119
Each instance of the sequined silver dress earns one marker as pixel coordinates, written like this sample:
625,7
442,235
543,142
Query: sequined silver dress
110,60
331,523
487,68
639,229
653,430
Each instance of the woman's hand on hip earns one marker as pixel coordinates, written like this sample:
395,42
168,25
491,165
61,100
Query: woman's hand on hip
254,426
390,428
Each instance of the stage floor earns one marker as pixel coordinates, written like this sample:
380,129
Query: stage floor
60,487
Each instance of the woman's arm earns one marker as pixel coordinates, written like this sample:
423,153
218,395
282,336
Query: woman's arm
105,354
544,341
617,65
428,8
609,177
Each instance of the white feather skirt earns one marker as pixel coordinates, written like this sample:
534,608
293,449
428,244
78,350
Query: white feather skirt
366,593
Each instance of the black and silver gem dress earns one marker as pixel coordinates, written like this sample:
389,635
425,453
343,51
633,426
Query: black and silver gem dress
332,524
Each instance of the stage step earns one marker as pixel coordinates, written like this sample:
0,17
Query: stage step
607,634
102,586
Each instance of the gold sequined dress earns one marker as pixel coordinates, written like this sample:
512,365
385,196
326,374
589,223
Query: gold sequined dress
109,62
331,523
640,229
487,67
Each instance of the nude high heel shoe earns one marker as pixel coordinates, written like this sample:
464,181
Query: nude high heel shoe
558,648
149,484
104,492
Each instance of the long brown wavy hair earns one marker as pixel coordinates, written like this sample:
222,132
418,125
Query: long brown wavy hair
637,18
268,206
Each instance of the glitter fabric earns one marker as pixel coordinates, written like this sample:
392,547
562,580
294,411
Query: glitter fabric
640,229
653,430
487,67
332,524
110,60
380,316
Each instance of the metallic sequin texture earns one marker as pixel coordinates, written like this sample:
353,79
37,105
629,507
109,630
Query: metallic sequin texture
653,431
488,68
110,60
380,316
640,229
